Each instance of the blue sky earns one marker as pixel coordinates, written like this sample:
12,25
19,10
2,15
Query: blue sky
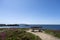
30,11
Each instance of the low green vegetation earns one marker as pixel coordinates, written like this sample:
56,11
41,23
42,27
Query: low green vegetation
17,34
23,29
53,32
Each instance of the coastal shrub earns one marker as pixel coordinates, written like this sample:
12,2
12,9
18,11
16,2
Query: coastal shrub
18,35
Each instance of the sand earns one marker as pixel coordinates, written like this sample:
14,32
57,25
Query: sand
44,36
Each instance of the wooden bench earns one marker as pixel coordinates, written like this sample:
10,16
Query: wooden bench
39,29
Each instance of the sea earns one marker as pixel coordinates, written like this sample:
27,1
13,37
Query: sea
51,27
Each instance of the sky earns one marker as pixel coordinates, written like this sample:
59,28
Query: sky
29,11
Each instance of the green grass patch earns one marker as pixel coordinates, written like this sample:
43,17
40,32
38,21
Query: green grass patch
18,34
54,33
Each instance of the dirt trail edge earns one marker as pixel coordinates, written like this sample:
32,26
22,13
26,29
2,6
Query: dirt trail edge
44,36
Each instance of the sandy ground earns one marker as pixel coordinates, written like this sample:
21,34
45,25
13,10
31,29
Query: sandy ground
44,36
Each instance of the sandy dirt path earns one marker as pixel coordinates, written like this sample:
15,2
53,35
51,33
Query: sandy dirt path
44,36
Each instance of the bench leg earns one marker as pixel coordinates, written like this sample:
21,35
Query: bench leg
39,30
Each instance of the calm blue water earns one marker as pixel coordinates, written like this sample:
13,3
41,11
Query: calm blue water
53,27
